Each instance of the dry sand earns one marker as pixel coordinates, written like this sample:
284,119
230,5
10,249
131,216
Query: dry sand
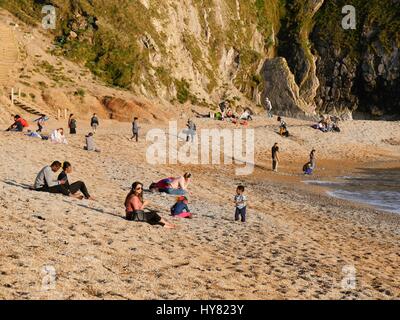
295,244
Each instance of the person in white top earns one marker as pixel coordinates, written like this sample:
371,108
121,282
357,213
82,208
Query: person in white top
268,107
245,115
57,136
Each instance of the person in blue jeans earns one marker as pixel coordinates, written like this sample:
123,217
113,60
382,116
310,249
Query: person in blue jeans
177,186
241,204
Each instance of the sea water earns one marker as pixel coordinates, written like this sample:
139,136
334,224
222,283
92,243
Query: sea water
376,187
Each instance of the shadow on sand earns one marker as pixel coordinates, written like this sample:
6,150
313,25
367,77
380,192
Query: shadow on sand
16,184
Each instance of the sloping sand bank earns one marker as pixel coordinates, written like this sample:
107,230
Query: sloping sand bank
297,243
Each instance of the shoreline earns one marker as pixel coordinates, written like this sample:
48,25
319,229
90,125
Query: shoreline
297,185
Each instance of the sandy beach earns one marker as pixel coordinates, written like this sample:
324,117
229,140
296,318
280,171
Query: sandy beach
298,243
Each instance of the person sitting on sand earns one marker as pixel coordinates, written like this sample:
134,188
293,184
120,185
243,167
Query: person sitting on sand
57,136
283,131
322,125
171,185
222,106
178,186
309,167
33,134
135,205
90,145
45,181
218,116
230,114
162,184
180,208
76,186
18,125
246,115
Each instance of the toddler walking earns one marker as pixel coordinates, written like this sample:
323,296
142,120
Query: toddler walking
241,204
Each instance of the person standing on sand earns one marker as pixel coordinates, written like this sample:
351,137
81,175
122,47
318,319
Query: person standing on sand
135,205
312,159
275,157
135,129
241,204
45,181
40,123
72,124
94,122
191,130
268,107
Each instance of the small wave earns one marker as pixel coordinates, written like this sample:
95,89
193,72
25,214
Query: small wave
385,200
324,183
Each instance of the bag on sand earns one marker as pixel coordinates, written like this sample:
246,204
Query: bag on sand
138,216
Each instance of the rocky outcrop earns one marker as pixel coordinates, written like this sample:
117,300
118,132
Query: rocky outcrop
283,91
379,79
294,46
359,70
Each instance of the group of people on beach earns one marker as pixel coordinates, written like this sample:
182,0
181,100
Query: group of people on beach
308,168
136,208
57,136
46,182
135,204
328,124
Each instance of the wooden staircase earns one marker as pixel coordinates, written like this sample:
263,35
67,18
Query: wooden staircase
9,53
30,107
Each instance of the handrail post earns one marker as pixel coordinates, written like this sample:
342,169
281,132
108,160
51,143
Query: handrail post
12,96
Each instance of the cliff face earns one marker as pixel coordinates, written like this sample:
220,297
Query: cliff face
178,50
359,69
204,50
